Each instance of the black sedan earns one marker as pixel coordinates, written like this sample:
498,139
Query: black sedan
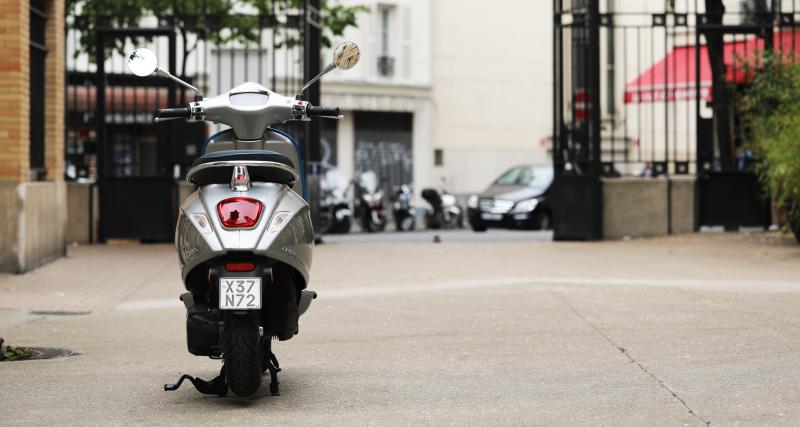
517,199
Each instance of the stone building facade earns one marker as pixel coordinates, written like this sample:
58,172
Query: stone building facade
32,189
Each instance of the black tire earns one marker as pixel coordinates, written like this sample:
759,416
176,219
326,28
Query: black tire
796,230
544,221
794,225
343,227
371,227
243,358
478,228
407,224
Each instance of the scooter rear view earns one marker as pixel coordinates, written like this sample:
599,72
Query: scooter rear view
244,238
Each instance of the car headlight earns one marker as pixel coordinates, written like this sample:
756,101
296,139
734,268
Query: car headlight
525,206
472,202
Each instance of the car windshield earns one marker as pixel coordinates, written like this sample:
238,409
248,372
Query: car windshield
527,176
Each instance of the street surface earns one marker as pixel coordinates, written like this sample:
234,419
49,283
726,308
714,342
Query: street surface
500,328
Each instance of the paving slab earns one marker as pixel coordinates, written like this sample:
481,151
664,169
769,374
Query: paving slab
686,330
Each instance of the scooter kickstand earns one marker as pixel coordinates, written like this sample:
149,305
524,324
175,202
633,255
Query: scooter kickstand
216,386
274,368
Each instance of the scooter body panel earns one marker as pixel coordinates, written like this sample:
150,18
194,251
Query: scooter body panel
290,242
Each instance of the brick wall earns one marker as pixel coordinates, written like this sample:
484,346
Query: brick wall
14,91
14,106
54,79
32,214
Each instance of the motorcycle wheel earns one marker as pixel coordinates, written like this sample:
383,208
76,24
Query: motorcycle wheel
407,224
367,225
243,358
344,226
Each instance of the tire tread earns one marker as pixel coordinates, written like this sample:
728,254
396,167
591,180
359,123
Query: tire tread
242,355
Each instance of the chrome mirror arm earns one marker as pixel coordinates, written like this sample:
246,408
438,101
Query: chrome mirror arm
167,74
328,68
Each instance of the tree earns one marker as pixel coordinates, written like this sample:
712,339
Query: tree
757,12
769,108
214,21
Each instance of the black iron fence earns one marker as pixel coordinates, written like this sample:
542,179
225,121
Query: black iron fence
649,89
273,55
111,138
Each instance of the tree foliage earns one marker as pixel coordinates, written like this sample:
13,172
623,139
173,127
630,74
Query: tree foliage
770,109
214,21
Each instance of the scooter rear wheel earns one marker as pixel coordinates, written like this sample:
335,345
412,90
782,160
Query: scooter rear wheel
243,358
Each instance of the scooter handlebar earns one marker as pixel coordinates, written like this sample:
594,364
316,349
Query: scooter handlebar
313,111
174,113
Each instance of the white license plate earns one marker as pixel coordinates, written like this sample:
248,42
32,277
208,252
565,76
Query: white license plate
491,216
240,293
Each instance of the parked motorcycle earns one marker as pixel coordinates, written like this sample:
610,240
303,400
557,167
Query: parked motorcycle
244,238
336,217
443,211
369,201
402,211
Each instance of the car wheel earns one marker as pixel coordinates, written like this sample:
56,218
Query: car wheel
478,228
543,221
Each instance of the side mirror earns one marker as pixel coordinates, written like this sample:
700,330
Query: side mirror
143,62
345,57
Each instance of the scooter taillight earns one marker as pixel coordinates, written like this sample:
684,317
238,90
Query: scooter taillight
239,212
240,266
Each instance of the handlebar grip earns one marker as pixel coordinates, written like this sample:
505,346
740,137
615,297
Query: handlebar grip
322,111
171,113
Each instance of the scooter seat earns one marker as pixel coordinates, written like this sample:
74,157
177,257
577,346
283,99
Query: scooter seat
257,155
266,166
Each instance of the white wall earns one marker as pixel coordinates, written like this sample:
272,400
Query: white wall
409,43
492,78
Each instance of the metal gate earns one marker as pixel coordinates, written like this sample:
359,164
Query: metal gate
111,138
637,94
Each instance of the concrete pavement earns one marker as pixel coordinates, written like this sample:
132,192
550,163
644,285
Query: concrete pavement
498,329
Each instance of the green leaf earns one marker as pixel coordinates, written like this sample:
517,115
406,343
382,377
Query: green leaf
770,110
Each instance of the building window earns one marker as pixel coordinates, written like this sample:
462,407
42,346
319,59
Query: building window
38,52
385,60
438,157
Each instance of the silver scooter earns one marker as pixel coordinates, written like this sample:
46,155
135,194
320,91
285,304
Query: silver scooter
244,237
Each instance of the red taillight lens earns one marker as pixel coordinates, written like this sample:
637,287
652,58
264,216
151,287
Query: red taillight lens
240,266
239,212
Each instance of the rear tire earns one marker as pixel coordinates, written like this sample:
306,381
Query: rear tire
243,358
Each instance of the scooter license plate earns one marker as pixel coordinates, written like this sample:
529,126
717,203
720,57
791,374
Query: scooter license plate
240,293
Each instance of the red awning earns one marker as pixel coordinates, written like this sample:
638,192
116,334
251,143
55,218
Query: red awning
674,77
